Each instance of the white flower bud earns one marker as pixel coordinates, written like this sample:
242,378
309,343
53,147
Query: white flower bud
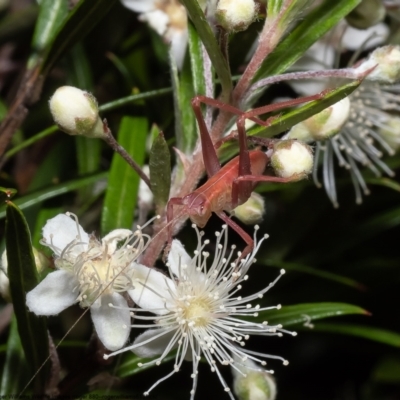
367,13
323,125
252,382
291,159
234,15
386,59
252,211
76,112
390,132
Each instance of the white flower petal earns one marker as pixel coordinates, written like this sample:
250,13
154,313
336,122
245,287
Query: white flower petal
354,38
139,6
157,19
154,346
53,295
152,289
178,257
112,324
179,39
61,230
111,240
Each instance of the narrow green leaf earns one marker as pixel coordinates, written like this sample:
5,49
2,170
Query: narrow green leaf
196,61
7,193
112,105
287,120
129,365
83,17
206,35
185,122
123,183
15,371
302,313
310,28
316,272
51,15
367,332
54,191
387,182
23,278
160,171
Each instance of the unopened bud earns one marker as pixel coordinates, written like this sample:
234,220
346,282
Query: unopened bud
390,132
234,15
291,159
251,382
386,61
252,211
367,13
75,111
323,125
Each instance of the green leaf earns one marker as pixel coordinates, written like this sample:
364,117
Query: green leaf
23,278
310,28
54,191
206,35
284,122
123,183
7,193
196,61
386,182
291,118
185,122
83,17
160,171
129,365
314,271
367,332
15,372
302,313
51,15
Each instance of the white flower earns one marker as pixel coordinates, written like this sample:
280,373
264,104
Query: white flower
91,272
198,310
366,133
168,18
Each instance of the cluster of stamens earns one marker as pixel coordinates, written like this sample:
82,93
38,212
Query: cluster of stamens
359,141
205,313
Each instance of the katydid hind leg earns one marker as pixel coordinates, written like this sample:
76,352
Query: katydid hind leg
244,235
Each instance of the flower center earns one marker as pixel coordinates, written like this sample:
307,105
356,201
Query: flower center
99,273
197,312
175,11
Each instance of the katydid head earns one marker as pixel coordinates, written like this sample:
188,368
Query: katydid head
198,208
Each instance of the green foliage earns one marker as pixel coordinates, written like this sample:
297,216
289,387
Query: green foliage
123,183
340,264
23,278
